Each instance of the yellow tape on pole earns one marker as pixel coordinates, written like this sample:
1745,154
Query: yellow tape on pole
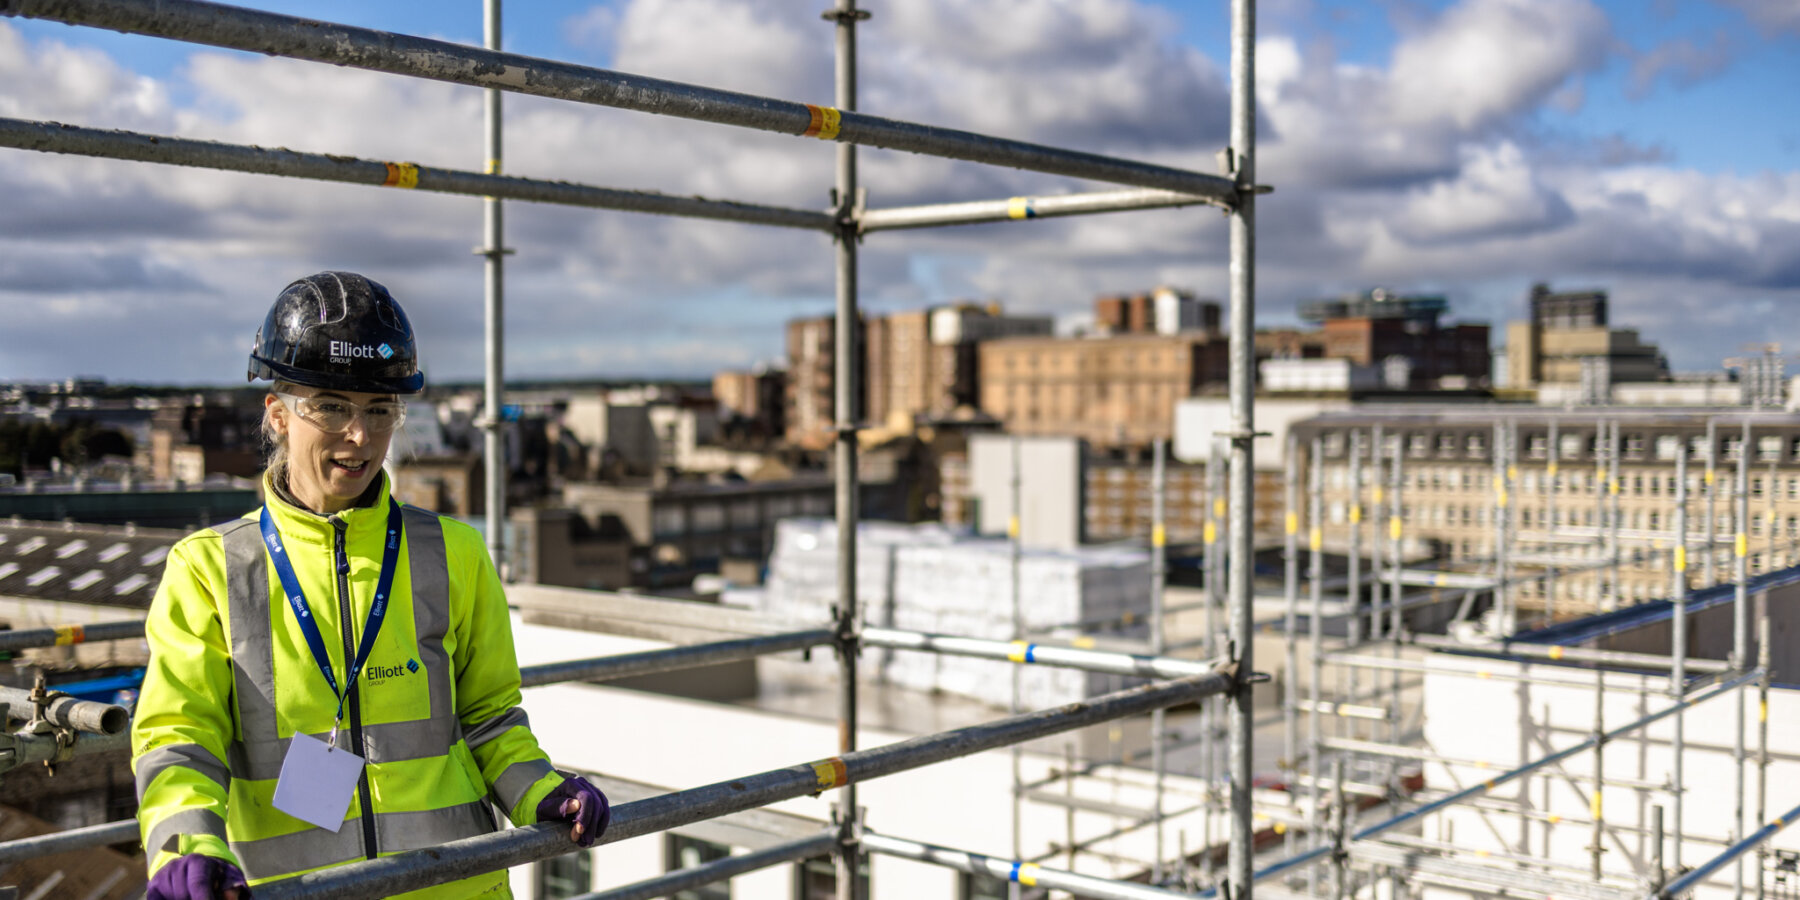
1743,544
1293,523
1556,652
1316,540
1159,536
822,122
1594,807
401,175
1012,527
1020,208
1394,527
1017,651
1355,514
1209,532
69,634
1680,558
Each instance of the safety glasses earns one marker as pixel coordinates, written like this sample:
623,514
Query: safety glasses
334,415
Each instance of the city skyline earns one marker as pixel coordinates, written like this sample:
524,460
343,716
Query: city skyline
1465,148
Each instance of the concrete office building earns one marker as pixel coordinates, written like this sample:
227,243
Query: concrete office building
1566,328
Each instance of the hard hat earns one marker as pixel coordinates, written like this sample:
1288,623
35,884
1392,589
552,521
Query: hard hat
338,331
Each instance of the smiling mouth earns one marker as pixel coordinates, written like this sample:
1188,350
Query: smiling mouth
354,467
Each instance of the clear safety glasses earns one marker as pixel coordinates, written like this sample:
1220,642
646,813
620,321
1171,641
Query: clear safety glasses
333,415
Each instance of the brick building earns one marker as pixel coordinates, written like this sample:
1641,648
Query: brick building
1114,392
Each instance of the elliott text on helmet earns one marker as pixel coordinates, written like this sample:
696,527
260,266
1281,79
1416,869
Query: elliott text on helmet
344,351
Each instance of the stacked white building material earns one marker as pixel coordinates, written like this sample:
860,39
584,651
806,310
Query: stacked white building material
928,578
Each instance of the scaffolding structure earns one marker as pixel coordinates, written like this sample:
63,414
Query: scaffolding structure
848,222
1323,849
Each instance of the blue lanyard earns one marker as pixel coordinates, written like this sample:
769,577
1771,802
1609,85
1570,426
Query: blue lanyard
296,598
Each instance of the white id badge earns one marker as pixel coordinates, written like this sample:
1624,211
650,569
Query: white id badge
316,782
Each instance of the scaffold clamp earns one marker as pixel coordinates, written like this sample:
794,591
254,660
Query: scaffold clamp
841,16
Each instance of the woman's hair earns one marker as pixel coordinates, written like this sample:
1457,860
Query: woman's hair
275,453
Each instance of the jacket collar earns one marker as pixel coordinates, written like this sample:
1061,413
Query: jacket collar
299,523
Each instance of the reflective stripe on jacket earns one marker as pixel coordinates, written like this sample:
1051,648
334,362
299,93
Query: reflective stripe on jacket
231,679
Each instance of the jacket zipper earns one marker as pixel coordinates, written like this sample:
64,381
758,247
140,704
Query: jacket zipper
342,559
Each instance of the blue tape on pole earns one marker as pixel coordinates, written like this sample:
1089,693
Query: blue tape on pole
1014,874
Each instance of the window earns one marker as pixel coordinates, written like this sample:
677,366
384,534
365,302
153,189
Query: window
681,852
1668,446
1570,448
816,879
569,875
980,887
1768,448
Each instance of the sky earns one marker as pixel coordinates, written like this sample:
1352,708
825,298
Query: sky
1468,148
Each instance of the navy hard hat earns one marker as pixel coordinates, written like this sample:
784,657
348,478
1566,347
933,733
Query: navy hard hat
338,331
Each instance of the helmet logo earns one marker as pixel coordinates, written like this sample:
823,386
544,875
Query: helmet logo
345,351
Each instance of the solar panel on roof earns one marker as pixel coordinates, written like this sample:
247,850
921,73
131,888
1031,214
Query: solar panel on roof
7,569
47,573
137,580
155,556
32,545
114,552
71,548
85,580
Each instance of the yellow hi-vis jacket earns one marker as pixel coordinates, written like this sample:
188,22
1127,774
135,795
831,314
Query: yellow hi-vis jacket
231,679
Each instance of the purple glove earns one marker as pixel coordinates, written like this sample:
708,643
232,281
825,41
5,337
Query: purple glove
575,800
197,877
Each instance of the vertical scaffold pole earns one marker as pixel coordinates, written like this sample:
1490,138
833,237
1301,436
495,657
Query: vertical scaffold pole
1353,562
1015,555
1762,739
1377,515
1290,558
1552,481
1679,588
1712,505
848,327
1243,438
1740,621
1158,572
1600,530
1396,531
493,307
1597,801
1615,451
1315,636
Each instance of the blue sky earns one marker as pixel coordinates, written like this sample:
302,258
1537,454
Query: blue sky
1464,147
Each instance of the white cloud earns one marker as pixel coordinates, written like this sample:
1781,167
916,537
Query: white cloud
1497,193
1774,15
1384,175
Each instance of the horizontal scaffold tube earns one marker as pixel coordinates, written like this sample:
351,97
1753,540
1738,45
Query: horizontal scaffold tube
472,856
55,137
720,869
1691,880
1321,853
975,212
62,635
64,711
35,748
1558,652
274,34
1039,654
120,832
1028,874
648,662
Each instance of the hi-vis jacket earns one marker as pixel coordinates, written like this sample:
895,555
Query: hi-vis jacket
231,679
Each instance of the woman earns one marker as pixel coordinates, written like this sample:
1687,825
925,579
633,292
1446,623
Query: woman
332,676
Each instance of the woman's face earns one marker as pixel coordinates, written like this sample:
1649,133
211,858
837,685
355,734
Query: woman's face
327,471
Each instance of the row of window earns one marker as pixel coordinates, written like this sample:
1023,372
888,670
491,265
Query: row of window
1636,447
1574,481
